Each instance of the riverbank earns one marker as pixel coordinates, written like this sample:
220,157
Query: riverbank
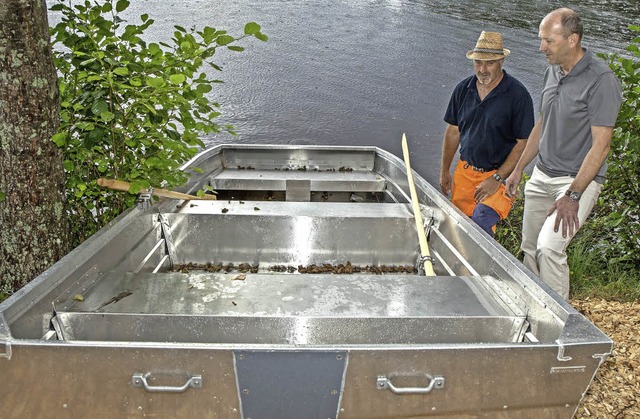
615,391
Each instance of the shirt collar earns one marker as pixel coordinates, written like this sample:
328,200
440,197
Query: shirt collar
580,66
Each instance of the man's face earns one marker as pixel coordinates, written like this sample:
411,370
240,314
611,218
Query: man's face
487,71
553,43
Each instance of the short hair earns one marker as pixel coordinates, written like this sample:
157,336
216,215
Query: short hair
571,23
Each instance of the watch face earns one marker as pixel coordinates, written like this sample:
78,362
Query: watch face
574,196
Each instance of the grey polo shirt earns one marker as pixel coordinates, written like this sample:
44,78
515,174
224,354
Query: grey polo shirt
590,95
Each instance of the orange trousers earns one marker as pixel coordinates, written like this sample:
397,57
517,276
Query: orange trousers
465,181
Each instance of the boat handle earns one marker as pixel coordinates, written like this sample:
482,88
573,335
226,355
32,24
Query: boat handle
140,380
385,383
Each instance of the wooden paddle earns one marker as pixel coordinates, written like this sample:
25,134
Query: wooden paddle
120,185
424,246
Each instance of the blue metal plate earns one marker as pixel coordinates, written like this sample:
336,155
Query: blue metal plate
288,384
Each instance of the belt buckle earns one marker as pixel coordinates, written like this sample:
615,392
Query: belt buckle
476,169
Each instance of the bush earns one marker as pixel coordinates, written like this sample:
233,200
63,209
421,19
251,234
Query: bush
129,110
618,213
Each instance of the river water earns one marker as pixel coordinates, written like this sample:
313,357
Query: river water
362,72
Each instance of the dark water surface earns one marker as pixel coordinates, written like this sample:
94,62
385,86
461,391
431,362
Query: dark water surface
358,72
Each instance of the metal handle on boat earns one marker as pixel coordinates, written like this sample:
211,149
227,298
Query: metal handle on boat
385,383
140,380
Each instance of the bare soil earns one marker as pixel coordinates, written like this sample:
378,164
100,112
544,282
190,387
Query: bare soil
615,391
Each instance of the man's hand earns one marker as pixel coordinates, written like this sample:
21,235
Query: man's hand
445,183
488,187
512,182
567,214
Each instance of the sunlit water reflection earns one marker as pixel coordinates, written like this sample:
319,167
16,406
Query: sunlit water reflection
362,72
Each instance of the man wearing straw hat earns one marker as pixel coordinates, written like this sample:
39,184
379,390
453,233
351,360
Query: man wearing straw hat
489,117
579,106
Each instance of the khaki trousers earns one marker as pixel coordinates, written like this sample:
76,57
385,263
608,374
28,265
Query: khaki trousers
545,251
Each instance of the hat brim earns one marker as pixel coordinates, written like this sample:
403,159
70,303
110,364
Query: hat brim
487,56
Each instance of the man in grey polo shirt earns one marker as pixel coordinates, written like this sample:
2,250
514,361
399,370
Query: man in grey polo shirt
579,107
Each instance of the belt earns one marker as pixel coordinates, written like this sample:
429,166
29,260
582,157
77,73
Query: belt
477,169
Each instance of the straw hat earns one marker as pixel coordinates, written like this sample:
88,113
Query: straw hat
488,47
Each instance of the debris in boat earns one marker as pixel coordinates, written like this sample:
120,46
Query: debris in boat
256,209
325,268
348,268
240,277
345,169
225,210
282,268
234,303
116,298
217,267
356,198
78,297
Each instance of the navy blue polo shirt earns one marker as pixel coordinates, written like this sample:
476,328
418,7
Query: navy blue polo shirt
489,129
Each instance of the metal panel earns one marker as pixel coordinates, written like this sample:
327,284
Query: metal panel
287,384
490,382
87,381
295,233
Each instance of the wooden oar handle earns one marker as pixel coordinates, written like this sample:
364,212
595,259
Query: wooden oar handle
114,184
120,185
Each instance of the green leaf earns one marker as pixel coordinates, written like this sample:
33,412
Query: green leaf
235,48
262,37
85,126
155,82
203,88
121,5
224,39
107,116
59,139
154,49
251,28
2,196
121,71
177,78
99,106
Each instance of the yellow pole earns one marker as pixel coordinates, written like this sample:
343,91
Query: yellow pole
424,246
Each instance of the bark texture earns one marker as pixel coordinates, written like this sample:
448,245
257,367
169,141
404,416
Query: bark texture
32,215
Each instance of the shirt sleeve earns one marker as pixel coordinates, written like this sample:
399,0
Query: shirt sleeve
523,120
605,99
451,114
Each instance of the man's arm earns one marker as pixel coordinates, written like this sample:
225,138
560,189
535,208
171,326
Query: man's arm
449,148
490,185
567,210
527,156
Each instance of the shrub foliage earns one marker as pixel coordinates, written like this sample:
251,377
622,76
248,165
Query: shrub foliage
130,110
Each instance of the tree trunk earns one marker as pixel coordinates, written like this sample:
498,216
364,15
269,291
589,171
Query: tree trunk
33,233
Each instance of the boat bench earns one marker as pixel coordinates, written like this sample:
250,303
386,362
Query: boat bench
298,184
202,307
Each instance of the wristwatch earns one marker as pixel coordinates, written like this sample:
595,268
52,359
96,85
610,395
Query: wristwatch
573,195
497,177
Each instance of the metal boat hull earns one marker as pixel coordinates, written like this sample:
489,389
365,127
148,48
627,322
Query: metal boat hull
294,295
